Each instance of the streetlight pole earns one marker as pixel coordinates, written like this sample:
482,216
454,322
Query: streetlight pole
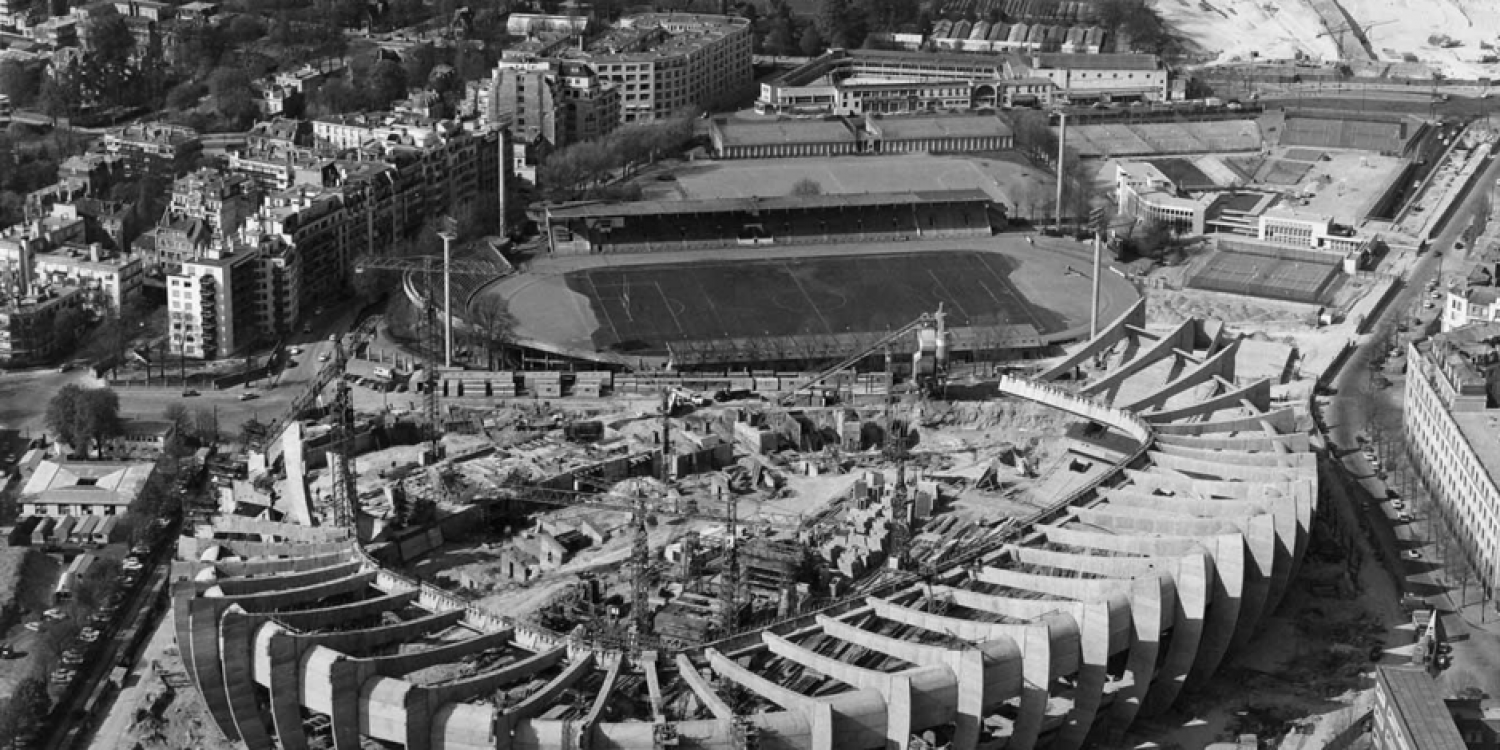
1062,136
448,238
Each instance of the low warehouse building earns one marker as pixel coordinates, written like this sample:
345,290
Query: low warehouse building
939,134
771,140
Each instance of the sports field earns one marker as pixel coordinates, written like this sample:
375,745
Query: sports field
1264,276
1014,184
641,309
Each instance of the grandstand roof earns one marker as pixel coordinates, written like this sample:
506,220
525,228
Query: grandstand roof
900,128
774,133
592,210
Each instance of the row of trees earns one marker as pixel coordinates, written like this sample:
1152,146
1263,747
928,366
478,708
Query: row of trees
583,169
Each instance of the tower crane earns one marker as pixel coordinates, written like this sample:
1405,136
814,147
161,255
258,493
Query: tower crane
933,346
434,337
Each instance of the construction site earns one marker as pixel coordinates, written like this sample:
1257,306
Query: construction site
682,518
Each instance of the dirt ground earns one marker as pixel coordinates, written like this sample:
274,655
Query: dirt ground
151,715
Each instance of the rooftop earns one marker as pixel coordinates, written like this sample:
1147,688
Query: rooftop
795,131
1419,704
1096,62
87,482
943,127
726,205
1184,174
155,132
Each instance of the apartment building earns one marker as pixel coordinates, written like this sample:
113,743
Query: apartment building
663,63
212,305
156,148
222,200
28,324
557,101
113,279
1452,439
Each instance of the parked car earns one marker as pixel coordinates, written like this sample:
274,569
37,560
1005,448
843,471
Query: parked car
132,563
64,675
34,626
88,635
1405,517
55,613
140,550
248,396
1412,554
189,393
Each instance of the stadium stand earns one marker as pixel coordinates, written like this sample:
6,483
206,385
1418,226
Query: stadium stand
1145,139
1386,134
1169,138
648,226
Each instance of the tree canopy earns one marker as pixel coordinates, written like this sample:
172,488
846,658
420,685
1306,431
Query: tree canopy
80,416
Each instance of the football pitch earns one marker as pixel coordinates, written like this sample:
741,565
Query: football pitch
642,309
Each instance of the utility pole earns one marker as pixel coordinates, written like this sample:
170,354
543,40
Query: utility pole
1098,220
1062,138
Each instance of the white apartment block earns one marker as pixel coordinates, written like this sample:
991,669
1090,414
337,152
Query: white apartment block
1453,439
1283,226
211,304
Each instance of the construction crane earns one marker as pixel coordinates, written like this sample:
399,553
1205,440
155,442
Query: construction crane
344,493
1360,28
933,321
434,338
307,399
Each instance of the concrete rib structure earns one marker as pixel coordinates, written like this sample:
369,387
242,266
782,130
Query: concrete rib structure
1059,631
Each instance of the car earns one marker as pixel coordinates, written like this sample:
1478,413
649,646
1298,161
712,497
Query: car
72,659
294,350
1376,652
1436,294
132,563
9,652
324,357
55,613
65,367
1404,517
307,329
141,550
1458,246
189,393
1412,554
248,396
34,626
101,617
88,635
333,337
1427,305
64,674
1398,505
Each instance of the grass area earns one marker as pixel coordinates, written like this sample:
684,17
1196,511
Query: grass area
643,308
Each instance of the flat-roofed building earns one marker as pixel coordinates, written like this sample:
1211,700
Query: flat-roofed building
1084,77
735,139
155,148
953,134
83,488
1409,712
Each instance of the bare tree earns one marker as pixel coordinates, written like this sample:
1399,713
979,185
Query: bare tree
494,326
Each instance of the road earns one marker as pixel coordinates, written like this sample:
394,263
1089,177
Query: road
1476,651
271,397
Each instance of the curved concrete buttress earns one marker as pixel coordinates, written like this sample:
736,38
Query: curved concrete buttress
1259,539
1153,609
204,625
831,728
331,686
1103,627
1283,420
1281,510
987,675
1225,580
1116,331
1270,459
1179,338
514,726
284,681
382,709
1257,393
1293,442
1193,582
464,726
1225,470
237,632
251,586
1049,650
1218,363
914,698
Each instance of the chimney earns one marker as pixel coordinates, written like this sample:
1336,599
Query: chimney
94,249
